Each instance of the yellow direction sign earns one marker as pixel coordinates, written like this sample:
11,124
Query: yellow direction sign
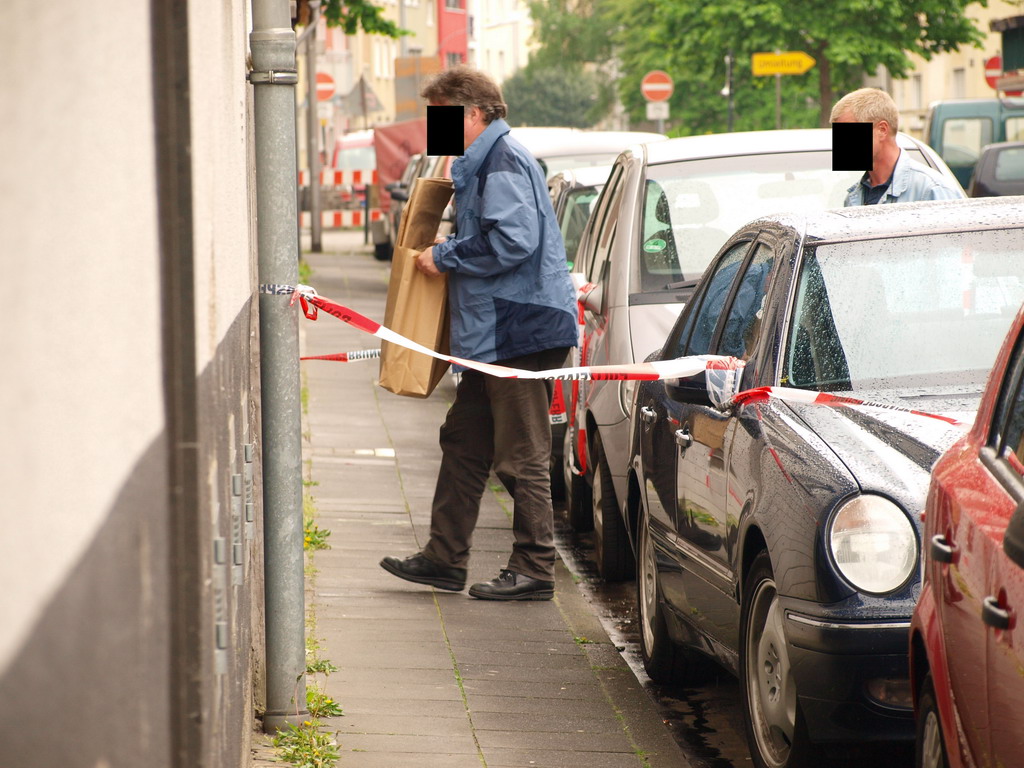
787,63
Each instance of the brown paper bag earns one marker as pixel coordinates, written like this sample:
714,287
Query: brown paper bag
417,305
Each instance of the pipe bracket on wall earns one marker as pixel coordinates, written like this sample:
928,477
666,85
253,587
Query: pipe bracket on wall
274,77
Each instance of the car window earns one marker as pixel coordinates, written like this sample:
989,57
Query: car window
1007,434
598,268
963,138
589,242
692,207
700,321
744,320
574,219
1014,128
1010,164
921,316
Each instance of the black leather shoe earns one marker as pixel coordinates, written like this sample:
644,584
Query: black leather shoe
421,570
513,586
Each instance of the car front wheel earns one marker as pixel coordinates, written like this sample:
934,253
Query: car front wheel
612,550
775,729
664,661
931,751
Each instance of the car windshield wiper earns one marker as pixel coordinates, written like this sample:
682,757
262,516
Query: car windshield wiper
681,284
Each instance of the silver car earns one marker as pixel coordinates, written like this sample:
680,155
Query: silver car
665,211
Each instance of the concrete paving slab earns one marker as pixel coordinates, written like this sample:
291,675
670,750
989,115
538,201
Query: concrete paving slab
536,758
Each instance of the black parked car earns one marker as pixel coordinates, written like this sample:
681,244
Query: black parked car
1000,171
782,539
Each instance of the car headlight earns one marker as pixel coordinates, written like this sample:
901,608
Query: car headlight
626,389
873,544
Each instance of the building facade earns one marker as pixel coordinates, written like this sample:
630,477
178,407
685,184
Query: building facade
132,620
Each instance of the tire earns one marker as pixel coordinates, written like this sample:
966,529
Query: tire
557,482
612,551
776,733
577,491
382,251
931,747
664,661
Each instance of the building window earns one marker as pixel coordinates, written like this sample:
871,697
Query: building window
453,59
959,83
917,92
453,4
430,13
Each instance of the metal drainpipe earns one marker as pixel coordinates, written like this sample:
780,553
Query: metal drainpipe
312,134
274,77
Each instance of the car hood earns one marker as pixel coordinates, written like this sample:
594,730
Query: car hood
649,326
890,451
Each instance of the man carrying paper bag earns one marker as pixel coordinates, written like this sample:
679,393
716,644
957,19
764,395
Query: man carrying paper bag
512,302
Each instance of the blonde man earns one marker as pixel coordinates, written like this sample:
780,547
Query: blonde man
894,177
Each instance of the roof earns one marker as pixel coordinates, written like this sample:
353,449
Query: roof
748,143
583,177
547,142
879,221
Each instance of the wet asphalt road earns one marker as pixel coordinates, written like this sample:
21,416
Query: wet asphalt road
706,719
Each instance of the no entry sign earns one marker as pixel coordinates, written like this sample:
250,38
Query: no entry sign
656,86
324,86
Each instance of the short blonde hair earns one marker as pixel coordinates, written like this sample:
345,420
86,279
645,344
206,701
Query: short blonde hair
463,86
868,105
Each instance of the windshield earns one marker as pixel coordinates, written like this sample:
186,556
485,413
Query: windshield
355,159
925,313
692,207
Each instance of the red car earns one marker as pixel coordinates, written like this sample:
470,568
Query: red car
966,638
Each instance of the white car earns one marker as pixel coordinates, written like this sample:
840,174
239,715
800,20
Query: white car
664,212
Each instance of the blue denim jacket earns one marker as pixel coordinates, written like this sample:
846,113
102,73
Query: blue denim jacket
509,288
911,181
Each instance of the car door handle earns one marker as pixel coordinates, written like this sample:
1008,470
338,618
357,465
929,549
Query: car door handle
683,438
647,415
995,616
942,551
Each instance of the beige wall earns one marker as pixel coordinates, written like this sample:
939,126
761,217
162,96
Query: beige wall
81,393
504,32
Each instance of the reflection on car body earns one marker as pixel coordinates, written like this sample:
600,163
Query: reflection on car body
782,539
966,643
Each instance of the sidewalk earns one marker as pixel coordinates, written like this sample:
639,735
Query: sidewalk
425,677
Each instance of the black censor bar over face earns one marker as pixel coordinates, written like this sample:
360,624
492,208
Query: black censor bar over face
445,131
851,147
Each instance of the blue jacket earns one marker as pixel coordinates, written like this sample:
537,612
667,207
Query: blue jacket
509,288
911,181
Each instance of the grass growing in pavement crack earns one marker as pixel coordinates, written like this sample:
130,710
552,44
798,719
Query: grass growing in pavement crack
458,681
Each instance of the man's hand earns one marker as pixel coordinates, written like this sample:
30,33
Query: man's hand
425,263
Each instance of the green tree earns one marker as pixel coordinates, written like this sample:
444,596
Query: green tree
847,38
558,95
353,15
571,32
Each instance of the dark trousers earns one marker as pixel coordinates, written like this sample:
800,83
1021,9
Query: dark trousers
499,423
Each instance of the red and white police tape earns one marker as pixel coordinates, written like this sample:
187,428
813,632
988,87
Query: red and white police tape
721,371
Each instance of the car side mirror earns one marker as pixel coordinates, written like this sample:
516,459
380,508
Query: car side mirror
692,390
1013,541
714,388
399,193
594,299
